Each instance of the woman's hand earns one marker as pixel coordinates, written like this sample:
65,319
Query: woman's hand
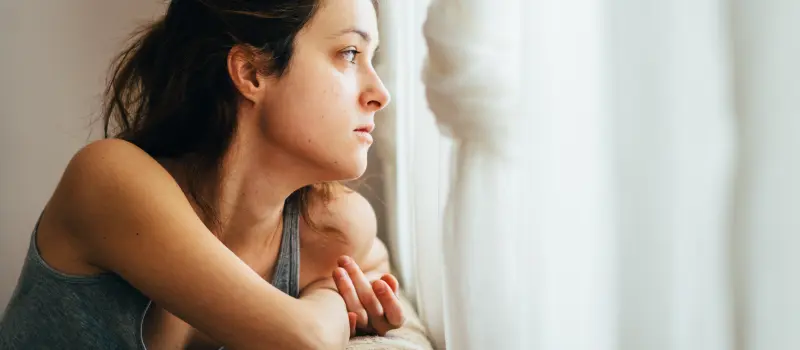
373,308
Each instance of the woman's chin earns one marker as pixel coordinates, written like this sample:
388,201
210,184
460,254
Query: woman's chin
349,171
357,171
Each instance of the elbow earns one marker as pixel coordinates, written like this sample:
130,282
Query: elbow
317,335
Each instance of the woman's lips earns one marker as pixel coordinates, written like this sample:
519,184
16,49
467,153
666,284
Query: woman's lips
364,136
367,128
363,133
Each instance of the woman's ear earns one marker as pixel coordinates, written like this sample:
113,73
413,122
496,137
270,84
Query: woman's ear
243,68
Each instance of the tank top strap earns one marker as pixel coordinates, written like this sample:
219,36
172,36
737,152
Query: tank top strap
287,273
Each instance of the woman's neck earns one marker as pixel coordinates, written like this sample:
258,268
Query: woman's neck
247,199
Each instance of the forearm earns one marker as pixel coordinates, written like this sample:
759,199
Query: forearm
323,303
317,319
303,330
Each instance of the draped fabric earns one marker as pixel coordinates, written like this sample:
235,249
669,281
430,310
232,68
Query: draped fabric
583,174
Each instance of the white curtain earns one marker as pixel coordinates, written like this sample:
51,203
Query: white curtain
766,226
616,174
415,158
472,84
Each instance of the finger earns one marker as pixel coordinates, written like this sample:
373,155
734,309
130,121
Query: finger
363,288
352,317
393,311
381,324
391,281
348,293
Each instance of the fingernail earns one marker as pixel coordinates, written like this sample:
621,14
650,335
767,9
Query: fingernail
340,273
344,260
380,288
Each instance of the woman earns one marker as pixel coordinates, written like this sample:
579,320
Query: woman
169,234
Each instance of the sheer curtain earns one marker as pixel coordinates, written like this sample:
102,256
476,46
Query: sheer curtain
609,174
414,157
766,227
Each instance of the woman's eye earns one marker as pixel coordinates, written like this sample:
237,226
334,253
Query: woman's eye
350,55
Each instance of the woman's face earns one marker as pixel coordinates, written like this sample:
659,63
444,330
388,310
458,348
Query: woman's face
320,112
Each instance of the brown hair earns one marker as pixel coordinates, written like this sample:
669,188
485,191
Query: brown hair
171,95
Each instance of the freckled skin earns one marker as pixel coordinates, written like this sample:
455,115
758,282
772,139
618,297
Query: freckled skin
151,234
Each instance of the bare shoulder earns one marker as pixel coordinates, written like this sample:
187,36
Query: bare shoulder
106,160
105,170
345,225
131,218
346,222
103,182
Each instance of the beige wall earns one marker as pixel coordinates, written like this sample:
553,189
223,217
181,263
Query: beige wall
54,56
52,68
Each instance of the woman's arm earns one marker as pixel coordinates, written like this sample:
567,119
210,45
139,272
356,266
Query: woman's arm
345,225
363,280
132,218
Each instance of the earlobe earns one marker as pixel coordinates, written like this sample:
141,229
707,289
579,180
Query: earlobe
244,74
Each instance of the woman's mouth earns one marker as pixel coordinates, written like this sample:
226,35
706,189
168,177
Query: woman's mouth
367,128
363,133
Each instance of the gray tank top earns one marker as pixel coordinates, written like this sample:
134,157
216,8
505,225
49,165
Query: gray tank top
52,310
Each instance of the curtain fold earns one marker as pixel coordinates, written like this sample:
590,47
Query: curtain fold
474,100
623,173
766,220
672,121
412,152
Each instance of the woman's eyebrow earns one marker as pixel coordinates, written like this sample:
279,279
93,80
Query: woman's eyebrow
362,33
